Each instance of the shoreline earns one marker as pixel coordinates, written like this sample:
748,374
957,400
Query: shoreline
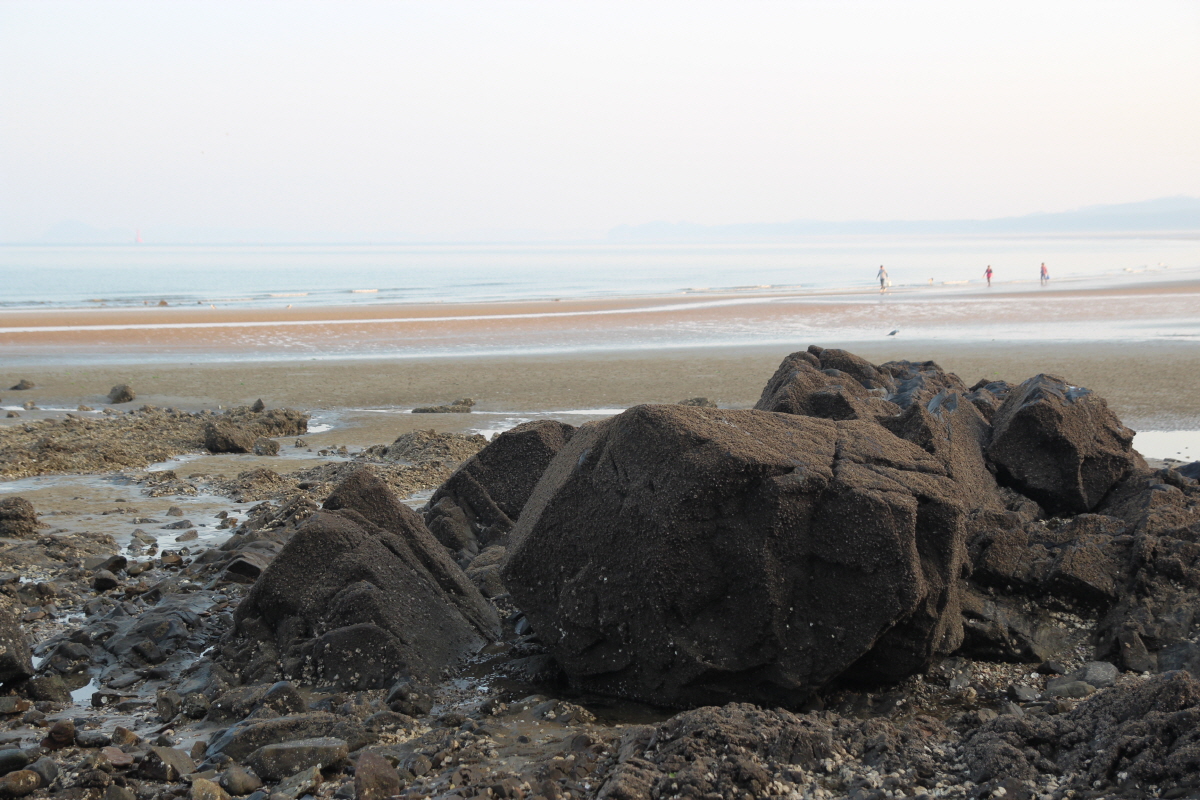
1142,312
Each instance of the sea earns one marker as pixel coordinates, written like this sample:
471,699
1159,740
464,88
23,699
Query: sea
72,276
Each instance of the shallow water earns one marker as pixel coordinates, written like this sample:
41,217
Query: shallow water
278,275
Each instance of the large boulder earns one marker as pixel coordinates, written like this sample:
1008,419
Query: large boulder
18,519
122,393
1060,445
238,429
478,504
362,592
15,661
804,385
683,556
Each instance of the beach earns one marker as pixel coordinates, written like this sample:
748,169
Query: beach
1134,344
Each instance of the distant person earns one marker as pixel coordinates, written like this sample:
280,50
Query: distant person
1045,274
988,275
883,278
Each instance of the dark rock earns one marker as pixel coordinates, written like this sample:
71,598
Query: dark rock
168,704
266,447
478,504
360,592
115,792
1145,730
275,762
49,688
121,393
166,764
375,778
803,385
12,760
258,406
410,698
222,436
18,519
1060,445
239,782
640,557
1133,653
104,580
998,629
22,385
46,769
16,661
61,734
242,739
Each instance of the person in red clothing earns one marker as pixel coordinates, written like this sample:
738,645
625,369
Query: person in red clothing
988,275
1045,274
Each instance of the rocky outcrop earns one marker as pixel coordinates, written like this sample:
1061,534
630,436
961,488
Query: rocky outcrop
121,393
462,406
477,506
15,660
18,519
361,592
685,555
240,429
1060,445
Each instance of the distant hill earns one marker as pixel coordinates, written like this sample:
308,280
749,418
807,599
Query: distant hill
1164,214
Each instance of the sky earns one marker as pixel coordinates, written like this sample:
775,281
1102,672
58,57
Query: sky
448,120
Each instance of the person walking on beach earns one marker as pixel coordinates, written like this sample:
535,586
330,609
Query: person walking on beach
883,279
988,275
1045,274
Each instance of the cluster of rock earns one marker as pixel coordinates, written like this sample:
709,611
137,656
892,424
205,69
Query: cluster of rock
686,555
139,437
462,406
880,582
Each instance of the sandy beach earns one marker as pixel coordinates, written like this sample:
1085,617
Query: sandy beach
1134,344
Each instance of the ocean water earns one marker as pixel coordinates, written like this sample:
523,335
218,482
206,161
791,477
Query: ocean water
276,275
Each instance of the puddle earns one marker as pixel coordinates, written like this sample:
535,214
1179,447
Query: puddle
1179,445
83,695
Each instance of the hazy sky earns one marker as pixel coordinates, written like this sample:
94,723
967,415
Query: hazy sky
443,119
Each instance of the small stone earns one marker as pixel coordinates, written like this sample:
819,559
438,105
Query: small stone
174,511
239,781
117,757
29,405
259,406
104,580
1067,688
300,783
266,447
375,778
167,764
13,759
114,792
62,733
20,783
46,769
22,385
276,761
1100,674
123,737
204,789
188,536
11,704
1022,693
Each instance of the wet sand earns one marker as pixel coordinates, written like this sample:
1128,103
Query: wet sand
1150,385
1017,312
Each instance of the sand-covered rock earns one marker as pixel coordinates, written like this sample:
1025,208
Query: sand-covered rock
18,519
15,659
122,393
1060,444
361,592
477,505
134,439
684,555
